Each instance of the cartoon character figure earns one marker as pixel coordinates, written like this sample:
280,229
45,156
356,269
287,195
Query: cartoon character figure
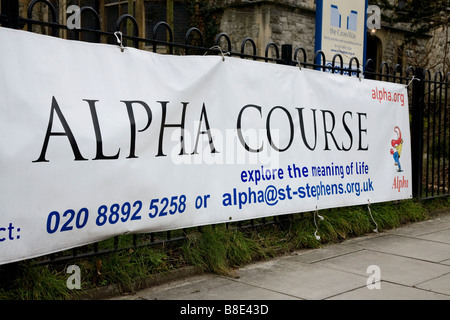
397,145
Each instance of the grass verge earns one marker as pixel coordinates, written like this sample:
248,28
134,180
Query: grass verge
217,249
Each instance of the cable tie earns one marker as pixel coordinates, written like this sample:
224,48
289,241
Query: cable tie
118,35
411,81
221,52
370,212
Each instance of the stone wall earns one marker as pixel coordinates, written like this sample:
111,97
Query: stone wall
438,47
429,51
293,22
281,22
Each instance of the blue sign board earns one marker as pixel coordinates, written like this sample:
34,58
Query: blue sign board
341,29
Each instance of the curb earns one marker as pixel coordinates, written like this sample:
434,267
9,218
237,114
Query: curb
110,291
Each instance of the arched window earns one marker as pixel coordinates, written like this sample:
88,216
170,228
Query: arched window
374,50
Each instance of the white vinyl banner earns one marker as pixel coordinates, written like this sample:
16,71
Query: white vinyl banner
96,142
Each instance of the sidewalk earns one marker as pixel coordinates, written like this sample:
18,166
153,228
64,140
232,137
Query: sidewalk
412,263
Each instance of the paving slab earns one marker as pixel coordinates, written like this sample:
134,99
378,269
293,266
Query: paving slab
439,284
438,236
438,223
406,246
327,252
390,291
208,287
393,268
298,279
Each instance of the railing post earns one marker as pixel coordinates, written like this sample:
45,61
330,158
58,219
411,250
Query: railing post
286,54
418,93
286,59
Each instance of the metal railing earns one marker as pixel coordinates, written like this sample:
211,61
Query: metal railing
436,134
